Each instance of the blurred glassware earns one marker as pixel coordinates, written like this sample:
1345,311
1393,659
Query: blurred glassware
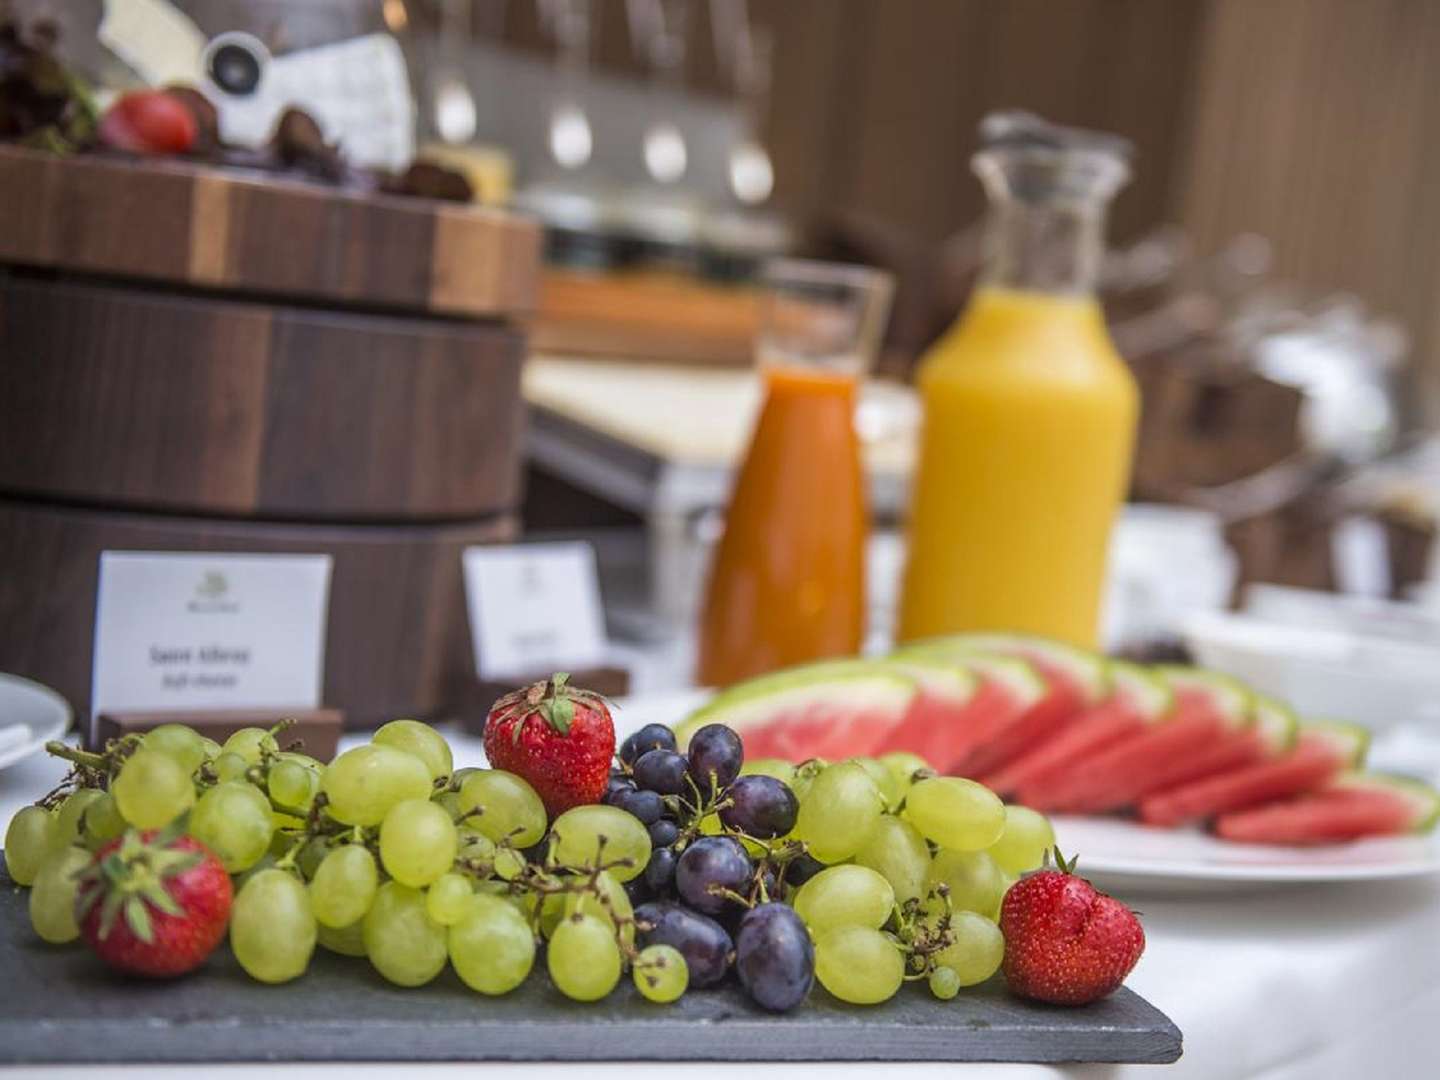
658,29
746,54
787,583
454,103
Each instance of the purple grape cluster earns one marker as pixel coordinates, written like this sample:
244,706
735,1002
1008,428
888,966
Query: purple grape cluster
703,892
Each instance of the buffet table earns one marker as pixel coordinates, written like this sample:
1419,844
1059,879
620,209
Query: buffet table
1296,983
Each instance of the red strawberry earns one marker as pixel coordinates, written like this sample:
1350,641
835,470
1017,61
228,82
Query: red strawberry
1066,943
154,903
558,738
148,122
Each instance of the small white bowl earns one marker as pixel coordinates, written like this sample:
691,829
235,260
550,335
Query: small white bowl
30,716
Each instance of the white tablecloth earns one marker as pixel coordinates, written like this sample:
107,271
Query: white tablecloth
1335,982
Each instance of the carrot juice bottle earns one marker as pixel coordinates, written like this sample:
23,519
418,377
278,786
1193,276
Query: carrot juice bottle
1029,412
788,580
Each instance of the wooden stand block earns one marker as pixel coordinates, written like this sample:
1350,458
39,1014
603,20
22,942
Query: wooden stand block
318,729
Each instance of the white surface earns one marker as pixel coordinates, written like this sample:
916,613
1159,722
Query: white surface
1307,983
213,631
30,715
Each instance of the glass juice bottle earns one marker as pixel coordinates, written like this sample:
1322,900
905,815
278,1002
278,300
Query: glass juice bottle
1029,412
788,579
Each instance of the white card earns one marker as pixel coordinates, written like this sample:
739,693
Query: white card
534,608
209,631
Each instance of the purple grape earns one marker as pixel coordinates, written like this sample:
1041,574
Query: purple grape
774,957
662,771
801,869
659,872
647,738
760,806
645,806
617,783
715,753
702,941
712,862
663,833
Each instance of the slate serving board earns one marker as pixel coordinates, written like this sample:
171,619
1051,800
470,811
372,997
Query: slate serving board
63,1005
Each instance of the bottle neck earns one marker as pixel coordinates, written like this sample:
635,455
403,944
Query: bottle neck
1044,247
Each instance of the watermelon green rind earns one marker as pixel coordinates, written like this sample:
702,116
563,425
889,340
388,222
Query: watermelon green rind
1016,675
1423,799
1146,692
939,675
1351,742
1086,669
1276,724
1233,701
853,684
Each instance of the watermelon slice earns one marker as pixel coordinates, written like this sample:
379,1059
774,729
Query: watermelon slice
1355,805
1137,698
944,731
1073,679
1321,752
1210,710
831,709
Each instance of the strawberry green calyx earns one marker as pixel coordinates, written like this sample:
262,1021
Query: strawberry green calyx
552,699
1063,865
130,880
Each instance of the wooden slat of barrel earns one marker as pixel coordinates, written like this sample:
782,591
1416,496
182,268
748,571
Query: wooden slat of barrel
146,399
189,224
397,644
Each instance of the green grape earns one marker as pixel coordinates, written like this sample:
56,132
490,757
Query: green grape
583,958
508,863
845,896
1027,837
897,852
661,974
769,766
267,861
477,849
805,774
347,940
52,899
363,783
955,813
404,944
885,782
521,902
272,930
710,825
510,808
344,886
837,814
418,842
448,898
944,983
859,965
249,742
576,835
491,946
179,742
152,790
449,801
315,765
419,739
103,822
233,820
978,949
616,906
28,842
212,748
976,883
292,784
230,766
903,766
312,854
69,816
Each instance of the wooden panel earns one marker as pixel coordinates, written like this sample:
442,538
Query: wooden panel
397,644
1317,125
179,222
129,398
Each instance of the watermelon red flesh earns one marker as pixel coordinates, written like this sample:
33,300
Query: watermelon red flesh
1096,727
1060,706
1322,817
817,731
1313,761
942,729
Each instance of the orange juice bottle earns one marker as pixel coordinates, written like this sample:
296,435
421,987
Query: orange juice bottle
1029,412
788,580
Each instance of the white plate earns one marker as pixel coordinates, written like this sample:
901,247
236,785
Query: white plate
1124,856
30,716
